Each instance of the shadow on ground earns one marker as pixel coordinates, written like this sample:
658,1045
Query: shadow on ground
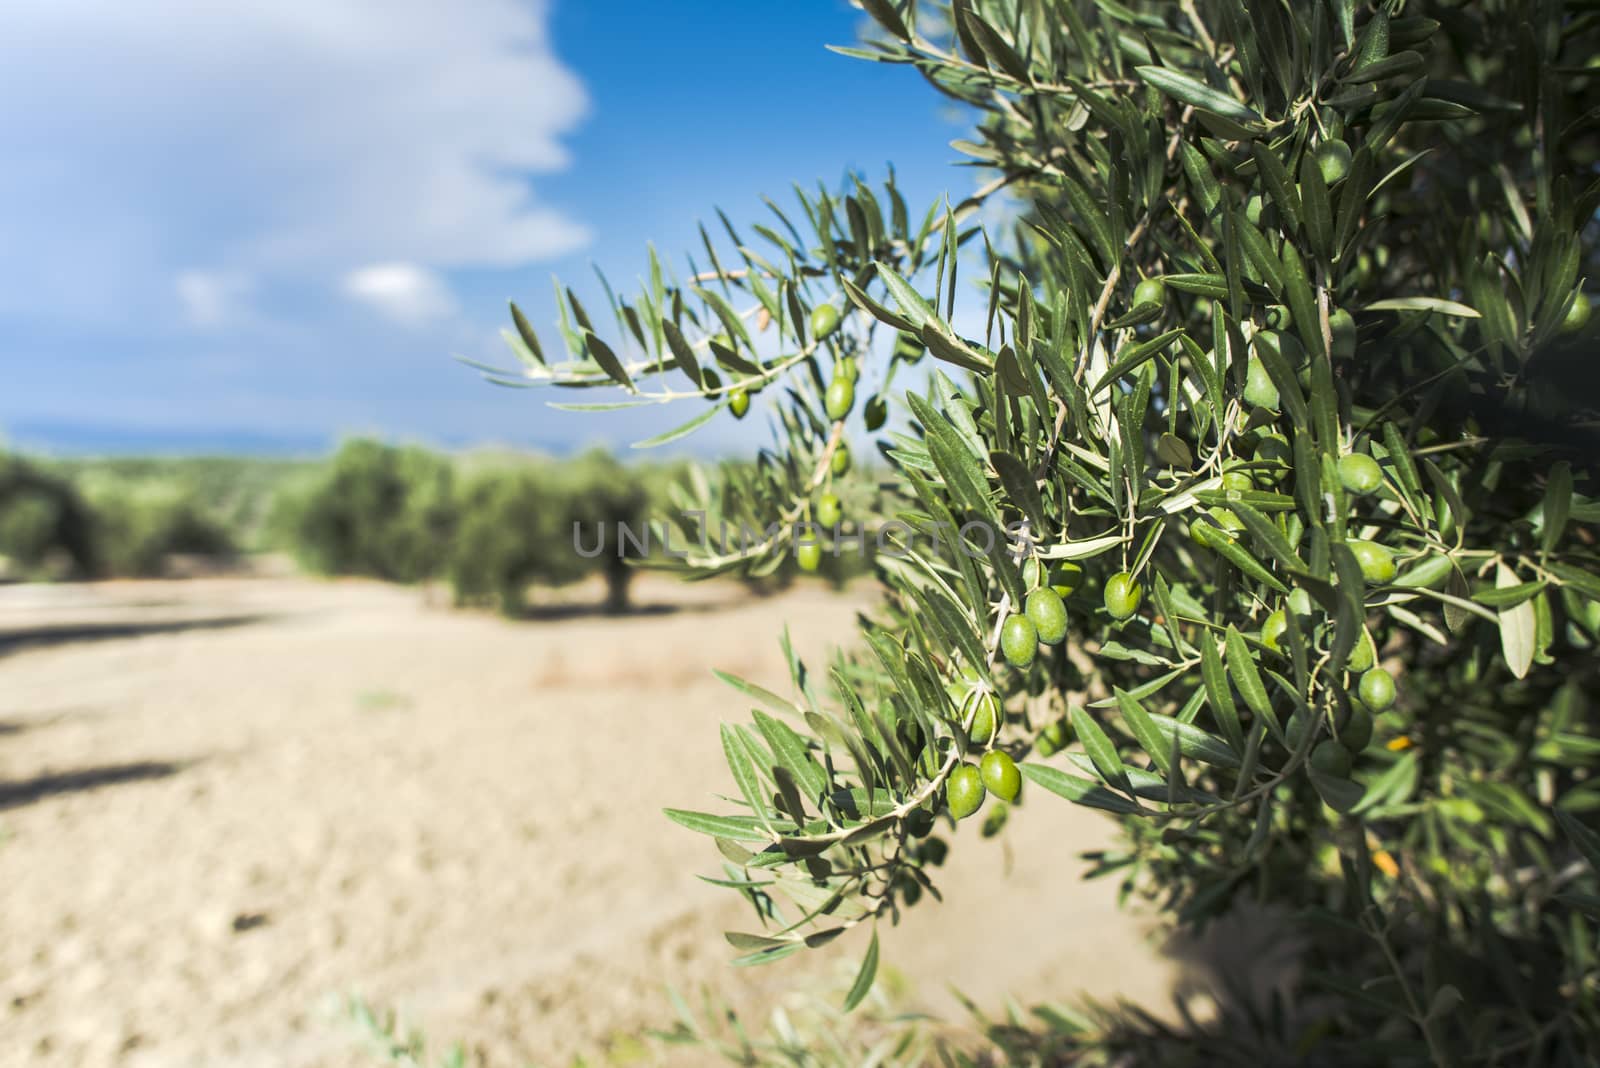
16,639
27,791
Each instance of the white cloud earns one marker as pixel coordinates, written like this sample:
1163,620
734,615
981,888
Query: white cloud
408,294
291,142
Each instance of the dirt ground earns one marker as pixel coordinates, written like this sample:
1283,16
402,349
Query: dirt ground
225,804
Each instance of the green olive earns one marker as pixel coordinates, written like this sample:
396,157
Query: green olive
1342,328
1033,573
1577,316
877,412
1227,519
1149,291
1273,629
824,321
1377,563
841,459
1300,602
1279,317
1252,210
840,398
809,554
1376,689
738,403
828,510
1331,759
983,706
1363,655
1064,578
1238,480
1000,775
1019,641
846,368
1259,389
1333,160
1048,615
964,791
1360,473
1052,739
1122,595
1274,448
1356,734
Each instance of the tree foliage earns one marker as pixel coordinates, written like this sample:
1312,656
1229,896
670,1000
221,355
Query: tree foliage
1351,430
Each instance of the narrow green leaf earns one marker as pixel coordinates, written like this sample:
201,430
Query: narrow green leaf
1187,90
1247,679
681,431
601,353
1218,694
1078,790
864,977
1099,747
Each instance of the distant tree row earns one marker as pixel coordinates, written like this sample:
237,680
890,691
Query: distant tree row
491,525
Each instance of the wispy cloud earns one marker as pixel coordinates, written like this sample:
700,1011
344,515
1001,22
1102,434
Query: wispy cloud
176,157
404,292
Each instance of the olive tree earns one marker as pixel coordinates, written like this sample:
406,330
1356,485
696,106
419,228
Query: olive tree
1253,499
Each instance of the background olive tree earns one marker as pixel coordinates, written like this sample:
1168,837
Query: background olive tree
1284,362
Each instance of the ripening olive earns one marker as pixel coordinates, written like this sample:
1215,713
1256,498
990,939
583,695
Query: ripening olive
1272,630
824,321
1259,389
1377,563
738,403
1577,316
1019,641
1149,291
841,459
1048,615
1333,160
964,792
1360,473
1000,775
809,555
1331,759
840,398
1122,595
1342,328
828,510
1376,689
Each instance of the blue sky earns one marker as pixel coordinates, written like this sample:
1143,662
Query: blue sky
265,225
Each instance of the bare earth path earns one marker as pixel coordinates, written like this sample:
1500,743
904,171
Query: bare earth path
225,803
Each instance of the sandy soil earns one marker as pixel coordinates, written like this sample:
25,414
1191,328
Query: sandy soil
224,804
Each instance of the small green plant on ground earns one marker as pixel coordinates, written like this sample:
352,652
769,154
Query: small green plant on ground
1286,355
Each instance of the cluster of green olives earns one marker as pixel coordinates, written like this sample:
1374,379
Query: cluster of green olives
996,773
